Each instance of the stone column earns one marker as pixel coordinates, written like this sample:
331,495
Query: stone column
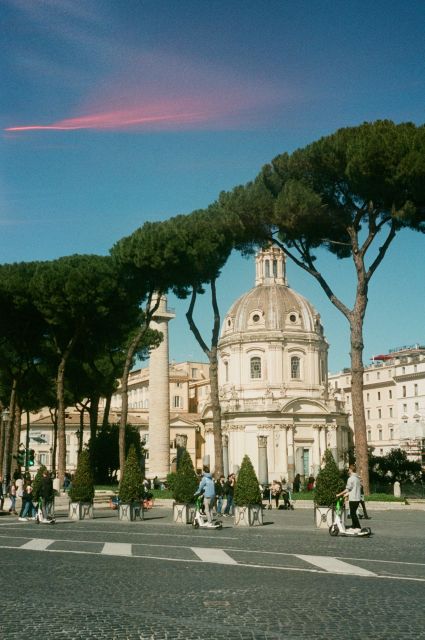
159,397
316,450
284,445
322,441
333,441
291,454
225,440
263,472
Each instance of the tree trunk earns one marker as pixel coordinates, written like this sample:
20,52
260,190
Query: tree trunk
124,403
61,419
211,354
7,453
357,399
107,410
94,414
216,411
17,423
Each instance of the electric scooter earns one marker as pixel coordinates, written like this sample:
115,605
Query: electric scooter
338,526
39,517
200,520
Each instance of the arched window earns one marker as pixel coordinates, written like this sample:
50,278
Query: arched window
267,268
275,268
226,371
255,367
295,368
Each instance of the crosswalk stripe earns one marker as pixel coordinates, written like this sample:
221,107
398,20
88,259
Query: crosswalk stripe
213,555
37,544
335,566
117,549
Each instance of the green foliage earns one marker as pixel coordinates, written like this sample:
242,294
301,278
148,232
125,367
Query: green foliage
328,482
186,481
171,481
82,487
247,489
36,483
394,466
131,485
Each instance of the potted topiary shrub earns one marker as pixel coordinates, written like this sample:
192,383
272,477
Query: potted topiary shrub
81,492
131,489
185,485
247,497
328,484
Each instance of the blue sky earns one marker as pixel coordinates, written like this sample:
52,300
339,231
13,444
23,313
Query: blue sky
114,113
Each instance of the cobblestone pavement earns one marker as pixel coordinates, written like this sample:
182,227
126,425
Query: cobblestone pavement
155,580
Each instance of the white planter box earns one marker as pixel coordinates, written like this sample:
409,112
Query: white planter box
128,512
250,516
323,517
81,510
183,513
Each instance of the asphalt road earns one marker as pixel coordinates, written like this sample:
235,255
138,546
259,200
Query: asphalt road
155,580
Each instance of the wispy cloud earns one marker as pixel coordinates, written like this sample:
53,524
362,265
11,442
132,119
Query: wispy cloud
124,86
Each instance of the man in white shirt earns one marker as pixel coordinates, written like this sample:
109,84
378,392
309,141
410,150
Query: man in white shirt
352,490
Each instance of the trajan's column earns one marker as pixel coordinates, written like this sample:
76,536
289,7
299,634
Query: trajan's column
159,397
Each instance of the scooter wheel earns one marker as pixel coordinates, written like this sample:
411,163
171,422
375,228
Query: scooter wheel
333,530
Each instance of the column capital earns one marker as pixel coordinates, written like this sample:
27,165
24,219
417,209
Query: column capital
262,441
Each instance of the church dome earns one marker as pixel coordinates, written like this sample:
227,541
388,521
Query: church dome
271,305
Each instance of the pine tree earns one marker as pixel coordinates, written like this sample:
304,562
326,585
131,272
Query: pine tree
186,481
131,485
82,487
328,482
247,489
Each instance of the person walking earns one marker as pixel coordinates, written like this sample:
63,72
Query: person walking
12,496
352,490
207,488
1,494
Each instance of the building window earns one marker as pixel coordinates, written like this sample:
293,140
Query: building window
256,366
391,434
367,376
379,395
177,402
379,413
391,412
380,434
368,414
416,406
267,267
367,397
405,408
195,371
403,370
275,268
369,435
178,384
378,375
295,367
403,391
416,389
226,371
390,394
43,458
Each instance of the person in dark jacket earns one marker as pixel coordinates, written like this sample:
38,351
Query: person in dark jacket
229,491
46,494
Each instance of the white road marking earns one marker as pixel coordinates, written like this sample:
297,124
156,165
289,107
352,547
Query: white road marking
117,549
213,555
332,565
37,544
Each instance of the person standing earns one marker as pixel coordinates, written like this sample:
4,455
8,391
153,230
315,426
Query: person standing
352,490
207,488
219,493
297,483
229,492
1,494
46,494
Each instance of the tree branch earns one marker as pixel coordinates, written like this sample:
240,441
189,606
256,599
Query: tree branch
193,327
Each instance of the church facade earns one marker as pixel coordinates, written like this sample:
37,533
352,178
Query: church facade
273,378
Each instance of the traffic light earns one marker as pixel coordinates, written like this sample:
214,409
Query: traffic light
21,457
31,456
